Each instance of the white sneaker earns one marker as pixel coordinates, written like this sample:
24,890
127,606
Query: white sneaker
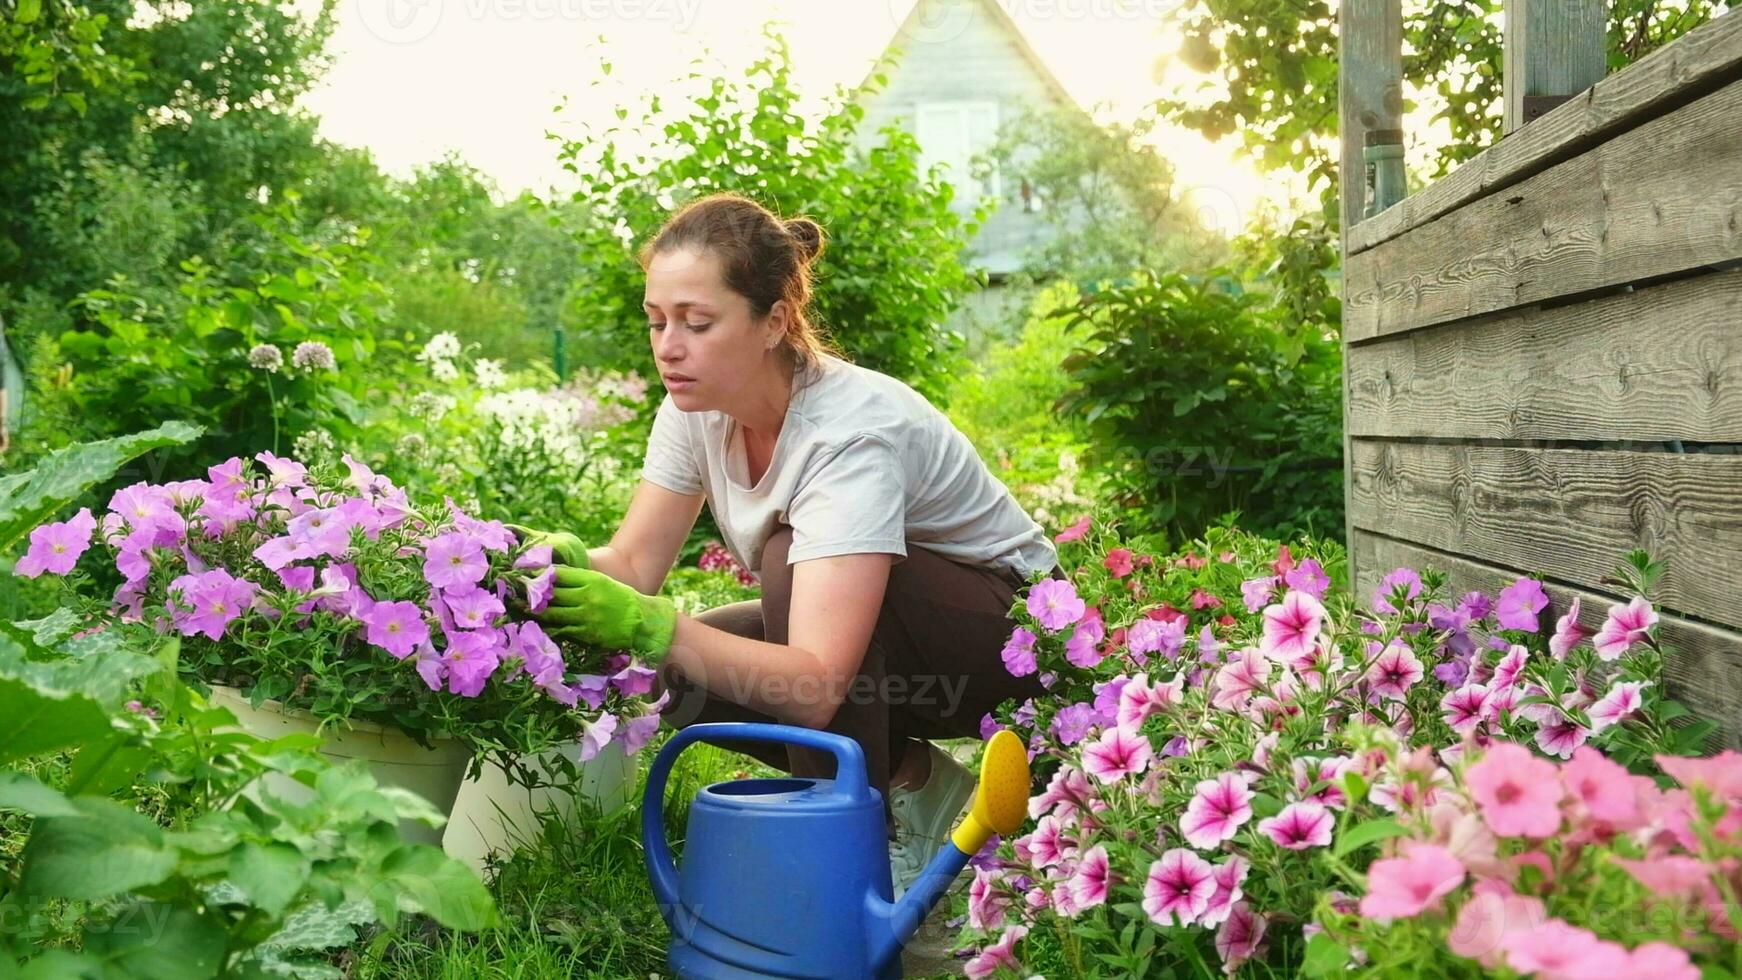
925,816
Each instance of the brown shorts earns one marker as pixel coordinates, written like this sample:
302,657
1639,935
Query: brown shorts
933,668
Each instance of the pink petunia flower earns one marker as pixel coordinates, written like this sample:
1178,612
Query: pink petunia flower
539,590
1092,879
1520,604
1721,775
1076,532
1118,561
1661,961
1465,707
1309,577
1492,915
1217,810
1608,792
1246,673
1291,627
1568,633
1018,653
1517,793
454,560
1389,586
1044,845
1054,604
1165,637
55,548
1084,647
1670,875
1230,875
1625,626
1178,888
1560,736
397,627
1239,937
472,656
1401,887
1299,826
638,731
1257,592
1556,949
1510,667
320,531
216,599
1118,753
986,903
1623,699
1394,671
473,608
999,955
1326,775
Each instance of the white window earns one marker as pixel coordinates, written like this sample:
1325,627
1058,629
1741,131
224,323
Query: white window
952,134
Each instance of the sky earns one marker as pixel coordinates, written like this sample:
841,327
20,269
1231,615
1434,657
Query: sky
414,79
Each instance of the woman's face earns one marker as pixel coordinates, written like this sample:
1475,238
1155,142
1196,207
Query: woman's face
707,346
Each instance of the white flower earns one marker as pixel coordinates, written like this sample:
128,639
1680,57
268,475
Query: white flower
312,355
489,373
266,357
443,346
315,444
444,371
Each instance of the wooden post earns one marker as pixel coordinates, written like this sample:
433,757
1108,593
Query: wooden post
1369,96
1555,49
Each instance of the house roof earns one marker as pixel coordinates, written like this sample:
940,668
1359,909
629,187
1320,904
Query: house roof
911,26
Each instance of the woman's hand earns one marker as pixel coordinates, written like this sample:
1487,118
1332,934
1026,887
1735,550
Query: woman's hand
595,608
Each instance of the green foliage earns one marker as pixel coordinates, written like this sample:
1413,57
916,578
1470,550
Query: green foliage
1107,196
30,498
1005,406
892,269
1200,406
1273,73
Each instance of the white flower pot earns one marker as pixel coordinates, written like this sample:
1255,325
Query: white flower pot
391,756
496,815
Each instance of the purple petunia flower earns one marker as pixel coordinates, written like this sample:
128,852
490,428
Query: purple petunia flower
540,589
55,548
1519,605
1018,653
598,735
397,627
1388,586
1054,603
1073,722
454,560
633,680
216,599
472,656
473,608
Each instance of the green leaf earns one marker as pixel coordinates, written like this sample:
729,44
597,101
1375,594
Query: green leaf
1324,956
51,629
28,11
34,720
107,849
271,875
30,498
156,941
1361,835
58,964
21,791
439,886
108,764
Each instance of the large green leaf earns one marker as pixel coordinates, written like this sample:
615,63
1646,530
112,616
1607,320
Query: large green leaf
155,941
22,791
34,720
28,499
107,849
439,886
271,875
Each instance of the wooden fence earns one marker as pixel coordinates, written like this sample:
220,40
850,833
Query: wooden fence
1543,350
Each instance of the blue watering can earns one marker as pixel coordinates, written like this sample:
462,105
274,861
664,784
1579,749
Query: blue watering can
789,877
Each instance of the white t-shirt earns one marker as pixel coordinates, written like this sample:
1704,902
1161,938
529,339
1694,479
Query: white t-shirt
863,464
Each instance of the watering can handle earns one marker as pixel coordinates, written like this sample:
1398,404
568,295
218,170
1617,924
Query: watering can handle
850,781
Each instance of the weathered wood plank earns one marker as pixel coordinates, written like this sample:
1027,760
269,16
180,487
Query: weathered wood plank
1703,669
1369,96
1662,199
1553,48
1657,364
1570,512
1706,58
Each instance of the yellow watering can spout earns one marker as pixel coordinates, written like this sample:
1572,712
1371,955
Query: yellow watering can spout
1001,800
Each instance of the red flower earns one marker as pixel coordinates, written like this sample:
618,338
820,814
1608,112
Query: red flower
1118,561
1204,600
1165,613
1225,619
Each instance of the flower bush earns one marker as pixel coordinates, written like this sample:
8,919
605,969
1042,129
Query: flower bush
336,594
1229,742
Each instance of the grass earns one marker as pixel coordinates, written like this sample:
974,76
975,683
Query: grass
575,904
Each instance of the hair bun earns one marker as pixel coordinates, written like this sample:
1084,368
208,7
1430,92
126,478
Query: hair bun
809,235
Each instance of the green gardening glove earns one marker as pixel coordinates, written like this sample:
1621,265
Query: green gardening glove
566,549
595,608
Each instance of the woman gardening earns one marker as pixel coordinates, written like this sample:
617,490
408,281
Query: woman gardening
888,554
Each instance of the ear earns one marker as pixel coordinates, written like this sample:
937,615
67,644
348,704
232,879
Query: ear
776,324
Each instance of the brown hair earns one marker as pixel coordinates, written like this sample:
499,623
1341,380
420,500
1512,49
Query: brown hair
763,257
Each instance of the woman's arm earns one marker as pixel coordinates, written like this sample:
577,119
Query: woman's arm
835,602
646,544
